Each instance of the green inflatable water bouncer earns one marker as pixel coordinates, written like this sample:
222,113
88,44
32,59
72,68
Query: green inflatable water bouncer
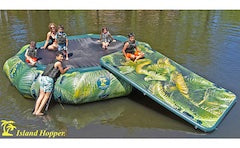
85,82
186,94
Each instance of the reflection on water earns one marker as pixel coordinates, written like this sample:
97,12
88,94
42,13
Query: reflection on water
207,42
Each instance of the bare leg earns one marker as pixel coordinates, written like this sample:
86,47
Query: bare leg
39,100
44,100
106,45
141,55
32,63
66,52
53,47
103,45
133,57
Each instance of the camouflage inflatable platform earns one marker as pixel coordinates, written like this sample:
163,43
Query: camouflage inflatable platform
186,94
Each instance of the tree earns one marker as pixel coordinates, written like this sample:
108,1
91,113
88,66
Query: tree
7,126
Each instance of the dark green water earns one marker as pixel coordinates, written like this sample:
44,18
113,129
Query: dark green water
206,42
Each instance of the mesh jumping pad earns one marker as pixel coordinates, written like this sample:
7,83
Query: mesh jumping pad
83,52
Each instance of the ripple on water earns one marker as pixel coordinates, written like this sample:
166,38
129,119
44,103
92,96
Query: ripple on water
207,42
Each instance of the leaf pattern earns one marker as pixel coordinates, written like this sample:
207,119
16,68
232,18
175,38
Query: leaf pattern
175,85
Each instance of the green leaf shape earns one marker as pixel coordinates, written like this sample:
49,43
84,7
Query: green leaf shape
157,68
144,47
187,92
9,66
126,69
151,75
76,88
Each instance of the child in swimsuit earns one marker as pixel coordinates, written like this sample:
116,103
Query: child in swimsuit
47,80
31,54
62,41
106,38
130,49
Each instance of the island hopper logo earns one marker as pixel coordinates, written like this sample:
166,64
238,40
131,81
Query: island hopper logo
103,83
8,128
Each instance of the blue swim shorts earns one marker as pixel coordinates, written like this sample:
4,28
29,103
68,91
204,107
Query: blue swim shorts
46,83
62,47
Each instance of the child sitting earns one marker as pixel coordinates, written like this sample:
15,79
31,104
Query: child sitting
31,54
62,40
130,49
106,38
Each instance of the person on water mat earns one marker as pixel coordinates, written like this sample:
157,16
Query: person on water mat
47,80
105,38
130,49
50,42
31,54
62,41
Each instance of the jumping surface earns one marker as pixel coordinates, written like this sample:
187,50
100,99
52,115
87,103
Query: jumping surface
186,94
83,52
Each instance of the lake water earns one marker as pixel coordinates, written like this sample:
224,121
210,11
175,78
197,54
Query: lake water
206,42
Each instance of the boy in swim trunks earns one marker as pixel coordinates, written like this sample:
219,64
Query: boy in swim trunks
47,80
130,50
62,40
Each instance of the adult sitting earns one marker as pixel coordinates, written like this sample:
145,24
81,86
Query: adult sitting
51,43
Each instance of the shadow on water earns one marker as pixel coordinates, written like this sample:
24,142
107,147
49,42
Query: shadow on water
205,42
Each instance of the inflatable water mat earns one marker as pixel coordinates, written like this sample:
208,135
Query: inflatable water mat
85,82
181,91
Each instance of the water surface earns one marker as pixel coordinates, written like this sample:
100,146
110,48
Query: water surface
206,42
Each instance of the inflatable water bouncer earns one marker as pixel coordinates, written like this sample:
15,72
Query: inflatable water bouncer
85,82
184,93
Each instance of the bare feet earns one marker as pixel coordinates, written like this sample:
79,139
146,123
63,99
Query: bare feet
39,114
135,60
